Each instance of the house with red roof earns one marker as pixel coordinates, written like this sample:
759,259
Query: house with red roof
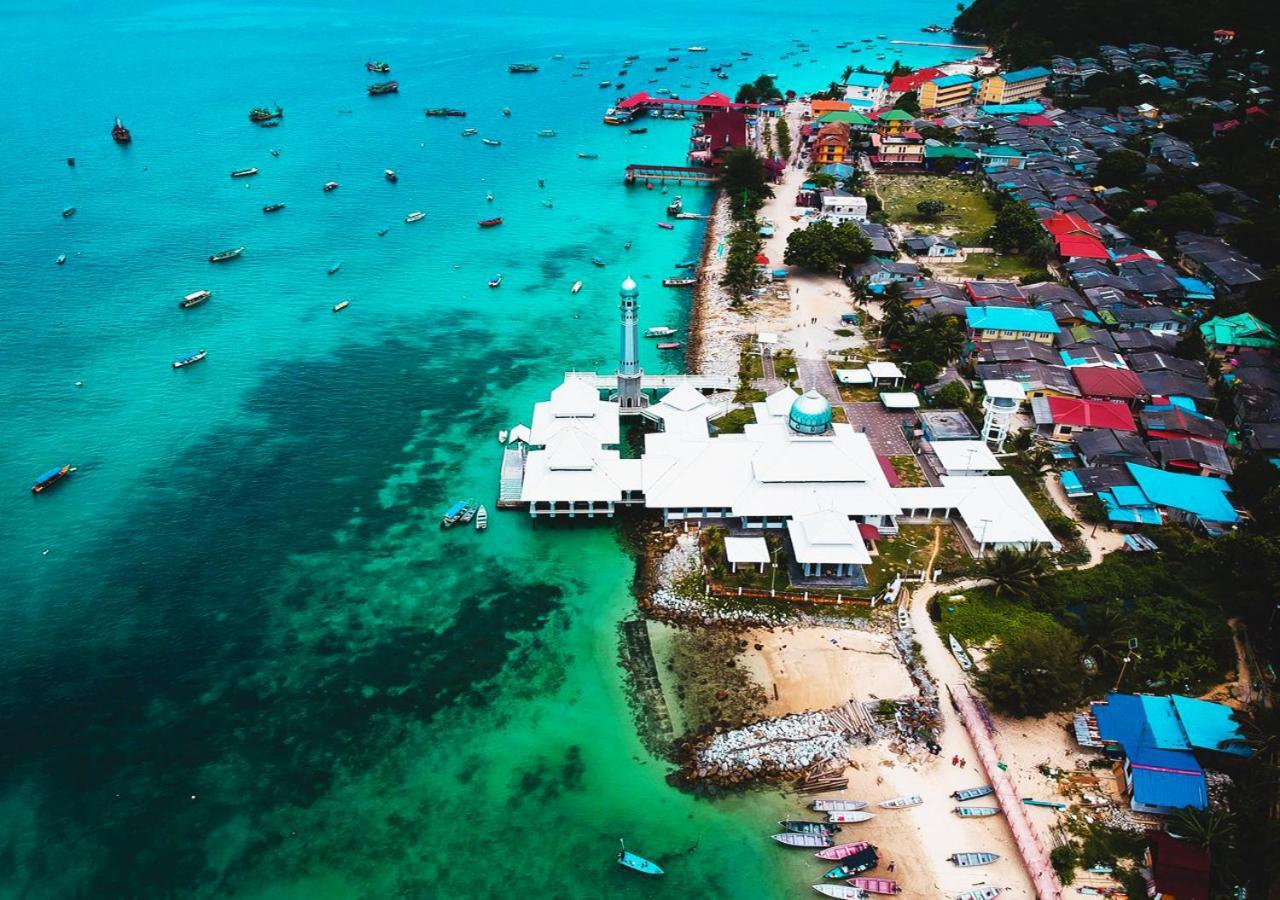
1179,869
1075,238
905,84
1107,383
1058,418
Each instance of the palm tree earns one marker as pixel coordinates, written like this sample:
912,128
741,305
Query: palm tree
844,76
1015,572
1213,830
1038,460
945,339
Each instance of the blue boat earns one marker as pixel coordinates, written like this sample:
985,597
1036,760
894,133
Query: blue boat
629,860
461,511
973,793
189,359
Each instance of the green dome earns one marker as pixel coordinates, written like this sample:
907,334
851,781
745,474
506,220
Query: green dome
810,414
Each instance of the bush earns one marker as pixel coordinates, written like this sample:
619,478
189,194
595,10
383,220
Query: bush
923,372
1065,860
1035,672
951,396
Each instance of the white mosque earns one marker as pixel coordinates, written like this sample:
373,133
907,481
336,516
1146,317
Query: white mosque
793,468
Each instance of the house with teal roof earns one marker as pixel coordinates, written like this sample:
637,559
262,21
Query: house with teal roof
1243,330
1191,499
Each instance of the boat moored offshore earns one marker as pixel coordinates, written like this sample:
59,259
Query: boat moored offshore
490,223
521,68
245,173
390,175
195,298
446,112
496,280
341,305
189,359
659,331
263,114
50,478
226,255
120,134
377,66
273,207
383,87
415,217
330,186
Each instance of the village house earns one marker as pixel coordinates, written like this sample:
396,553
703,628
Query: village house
865,90
1012,87
831,145
1058,418
840,206
931,246
946,92
1009,323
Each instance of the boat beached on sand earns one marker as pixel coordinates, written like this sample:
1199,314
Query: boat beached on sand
985,892
849,817
840,891
976,812
965,860
901,802
800,826
791,839
842,851
877,885
972,793
834,805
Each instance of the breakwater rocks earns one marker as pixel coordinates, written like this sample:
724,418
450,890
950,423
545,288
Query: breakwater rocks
770,749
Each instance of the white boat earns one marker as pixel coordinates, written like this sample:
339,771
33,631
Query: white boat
659,331
470,132
415,217
577,286
502,436
62,259
904,619
901,802
696,49
837,805
482,519
547,132
490,142
849,817
957,650
967,860
341,305
841,891
980,893
976,812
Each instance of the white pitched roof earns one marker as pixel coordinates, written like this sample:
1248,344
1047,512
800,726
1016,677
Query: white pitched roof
900,400
965,456
779,402
884,370
826,537
993,508
854,376
575,404
746,549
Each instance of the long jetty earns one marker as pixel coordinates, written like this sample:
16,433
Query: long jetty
663,174
982,47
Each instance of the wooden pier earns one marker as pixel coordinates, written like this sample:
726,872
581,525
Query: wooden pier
665,174
512,480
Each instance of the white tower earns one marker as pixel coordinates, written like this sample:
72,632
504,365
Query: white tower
999,406
629,372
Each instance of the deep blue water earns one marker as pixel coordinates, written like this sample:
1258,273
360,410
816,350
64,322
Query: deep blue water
237,656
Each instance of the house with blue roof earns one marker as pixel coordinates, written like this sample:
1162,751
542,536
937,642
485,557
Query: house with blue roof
1163,743
866,90
1028,108
1191,499
1013,87
1000,156
1011,323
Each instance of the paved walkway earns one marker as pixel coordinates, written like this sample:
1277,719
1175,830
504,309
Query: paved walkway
882,427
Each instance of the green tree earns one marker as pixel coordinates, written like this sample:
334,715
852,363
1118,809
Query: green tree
746,182
1121,168
1034,672
1017,228
930,209
747,93
1015,572
922,372
1184,212
783,134
827,248
952,395
741,274
909,102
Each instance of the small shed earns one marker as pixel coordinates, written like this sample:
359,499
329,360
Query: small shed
854,376
886,374
746,551
900,400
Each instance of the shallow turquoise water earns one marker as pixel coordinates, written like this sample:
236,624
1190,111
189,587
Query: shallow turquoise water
238,656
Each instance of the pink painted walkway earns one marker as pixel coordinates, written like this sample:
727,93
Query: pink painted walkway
1034,856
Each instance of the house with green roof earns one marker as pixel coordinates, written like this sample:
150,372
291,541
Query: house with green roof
852,118
962,158
1222,334
895,122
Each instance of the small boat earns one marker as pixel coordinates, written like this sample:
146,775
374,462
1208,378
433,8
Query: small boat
843,851
666,226
980,893
377,66
488,197
689,264
470,132
275,152
445,112
521,68
50,478
626,246
605,84
330,186
341,305
120,134
383,232
414,217
335,268
490,223
675,207
226,255
273,207
482,519
957,650
976,812
384,87
841,891
71,161
597,261
972,793
849,817
547,132
639,130
588,156
62,259
901,802
629,860
496,280
506,112
68,212
669,345
264,114
862,861
685,215
658,331
679,282
491,142
791,839
390,175
189,359
697,49
800,826
966,860
1047,804
577,286
194,299
876,885
455,513
548,204
245,173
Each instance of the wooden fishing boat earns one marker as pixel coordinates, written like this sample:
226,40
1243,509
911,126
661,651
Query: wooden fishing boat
120,134
669,345
491,142
68,212
675,207
456,513
341,305
470,132
50,478
588,156
330,186
976,812
901,802
265,114
490,223
666,226
390,175
189,359
834,805
980,893
226,255
957,650
841,891
639,864
639,130
195,298
842,851
876,885
335,268
972,793
687,264
245,173
547,132
384,87
679,282
862,861
849,817
377,66
658,331
1048,804
414,217
522,68
496,280
597,261
967,860
62,259
791,839
482,519
800,826
273,207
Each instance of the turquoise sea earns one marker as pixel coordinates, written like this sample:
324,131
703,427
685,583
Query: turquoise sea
237,655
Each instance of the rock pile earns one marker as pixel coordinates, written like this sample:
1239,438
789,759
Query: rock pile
768,749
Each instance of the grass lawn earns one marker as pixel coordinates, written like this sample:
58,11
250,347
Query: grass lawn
907,552
967,219
994,266
977,617
734,421
908,471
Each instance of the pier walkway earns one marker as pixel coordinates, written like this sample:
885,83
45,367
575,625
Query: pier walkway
702,383
663,174
511,482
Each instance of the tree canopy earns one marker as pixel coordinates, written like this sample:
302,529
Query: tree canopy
745,181
1017,228
1121,168
827,248
1035,672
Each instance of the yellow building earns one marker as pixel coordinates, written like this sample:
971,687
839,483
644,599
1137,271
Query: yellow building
1014,87
946,93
